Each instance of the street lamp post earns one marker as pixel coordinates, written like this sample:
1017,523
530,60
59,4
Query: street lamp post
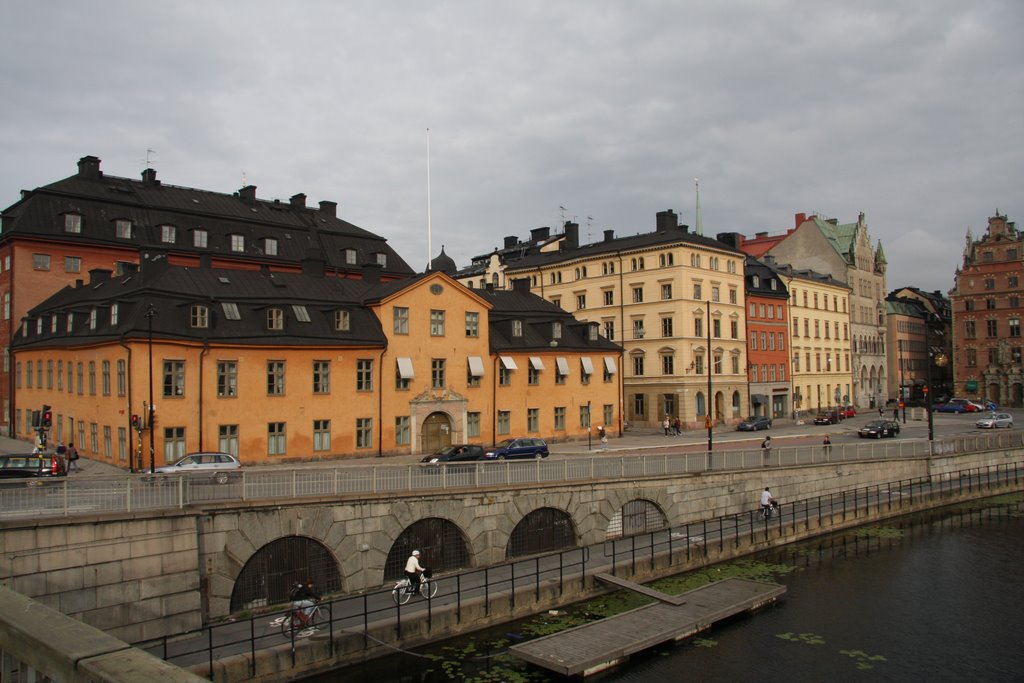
902,399
150,313
707,418
934,356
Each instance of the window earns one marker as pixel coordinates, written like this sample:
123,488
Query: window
695,260
732,294
667,364
40,261
714,293
364,374
123,229
270,246
174,378
992,328
200,316
639,405
72,264
609,297
350,256
200,239
474,371
990,283
1014,327
437,373
167,234
532,375
227,379
382,259
638,295
301,313
734,329
504,376
698,327
990,304
666,327
753,341
227,439
586,370
400,316
716,328
72,223
638,366
275,378
1012,280
321,435
718,363
609,329
341,321
321,377
113,317
230,311
504,421
533,420
972,358
237,242
472,324
560,418
275,319
581,301
584,416
517,328
472,424
276,439
436,323
697,291
969,305
403,431
104,376
638,329
364,432
174,442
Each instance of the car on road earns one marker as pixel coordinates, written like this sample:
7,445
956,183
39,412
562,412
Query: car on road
32,466
755,423
995,421
826,418
218,466
848,411
967,405
876,429
454,453
517,448
950,408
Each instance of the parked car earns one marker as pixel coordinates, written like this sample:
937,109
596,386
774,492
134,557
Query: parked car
32,466
876,429
826,418
949,408
754,423
218,466
517,448
995,421
455,453
848,411
969,406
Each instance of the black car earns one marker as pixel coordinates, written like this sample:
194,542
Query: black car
826,418
517,448
753,424
32,466
455,453
876,429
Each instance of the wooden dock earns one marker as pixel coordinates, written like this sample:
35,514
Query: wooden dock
590,648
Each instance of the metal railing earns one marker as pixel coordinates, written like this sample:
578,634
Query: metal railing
677,545
129,493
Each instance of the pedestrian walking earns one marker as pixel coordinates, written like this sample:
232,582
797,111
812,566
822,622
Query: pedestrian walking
602,437
896,412
667,426
766,449
827,445
677,426
72,458
881,412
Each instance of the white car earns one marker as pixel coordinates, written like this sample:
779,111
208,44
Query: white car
994,421
219,465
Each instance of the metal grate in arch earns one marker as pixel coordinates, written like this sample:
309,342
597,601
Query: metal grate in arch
636,517
273,569
440,542
543,530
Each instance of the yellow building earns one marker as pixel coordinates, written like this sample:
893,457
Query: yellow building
298,366
674,300
819,340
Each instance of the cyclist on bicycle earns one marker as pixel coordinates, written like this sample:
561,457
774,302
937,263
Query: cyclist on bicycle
304,597
413,571
767,502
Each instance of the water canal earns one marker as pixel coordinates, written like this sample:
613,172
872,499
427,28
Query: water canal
936,596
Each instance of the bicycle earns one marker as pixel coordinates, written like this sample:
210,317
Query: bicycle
768,510
296,620
427,588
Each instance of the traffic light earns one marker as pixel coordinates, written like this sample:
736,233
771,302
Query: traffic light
47,417
135,422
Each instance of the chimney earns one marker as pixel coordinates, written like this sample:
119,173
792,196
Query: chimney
733,239
609,235
298,200
149,177
98,275
666,220
538,234
329,208
248,194
799,219
371,273
89,168
684,227
572,235
768,259
521,285
760,235
511,241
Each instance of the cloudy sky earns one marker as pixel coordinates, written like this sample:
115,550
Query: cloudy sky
911,112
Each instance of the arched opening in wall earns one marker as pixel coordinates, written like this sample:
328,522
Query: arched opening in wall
1017,394
441,543
735,404
701,410
273,569
993,394
636,517
437,432
719,406
542,531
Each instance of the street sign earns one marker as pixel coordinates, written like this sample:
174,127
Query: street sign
707,422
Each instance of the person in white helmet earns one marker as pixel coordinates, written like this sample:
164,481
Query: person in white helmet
413,571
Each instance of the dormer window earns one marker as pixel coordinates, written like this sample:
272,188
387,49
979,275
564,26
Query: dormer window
72,222
275,319
39,327
270,246
123,229
71,322
167,234
301,313
350,257
230,309
92,319
200,238
517,328
341,321
556,330
53,324
113,315
382,259
200,316
755,281
237,243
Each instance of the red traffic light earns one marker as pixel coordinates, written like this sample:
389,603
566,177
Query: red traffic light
135,421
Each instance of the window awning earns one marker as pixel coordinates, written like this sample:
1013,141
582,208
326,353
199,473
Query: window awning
609,365
588,366
509,362
476,366
405,368
563,365
759,399
536,363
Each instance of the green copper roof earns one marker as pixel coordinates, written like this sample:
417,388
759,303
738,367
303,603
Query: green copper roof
879,254
840,236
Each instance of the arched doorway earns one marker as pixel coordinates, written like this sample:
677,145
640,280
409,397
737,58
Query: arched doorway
437,432
993,393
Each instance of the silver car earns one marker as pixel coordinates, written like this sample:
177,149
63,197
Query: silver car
217,465
994,421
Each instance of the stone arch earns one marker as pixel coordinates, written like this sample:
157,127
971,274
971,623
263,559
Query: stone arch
442,545
993,393
700,407
543,530
273,569
638,516
737,407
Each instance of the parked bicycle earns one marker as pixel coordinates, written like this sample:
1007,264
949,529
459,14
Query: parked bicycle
296,620
402,592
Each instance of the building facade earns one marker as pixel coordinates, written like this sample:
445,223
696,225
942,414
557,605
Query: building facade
986,303
919,330
768,348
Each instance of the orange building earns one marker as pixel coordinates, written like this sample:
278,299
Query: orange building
767,299
298,366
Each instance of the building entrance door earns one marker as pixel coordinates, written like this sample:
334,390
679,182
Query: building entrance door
437,432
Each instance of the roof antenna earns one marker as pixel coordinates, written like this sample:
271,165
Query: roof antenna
562,210
590,219
244,183
700,221
149,162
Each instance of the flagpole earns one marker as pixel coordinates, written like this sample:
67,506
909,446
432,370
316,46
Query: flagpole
430,248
